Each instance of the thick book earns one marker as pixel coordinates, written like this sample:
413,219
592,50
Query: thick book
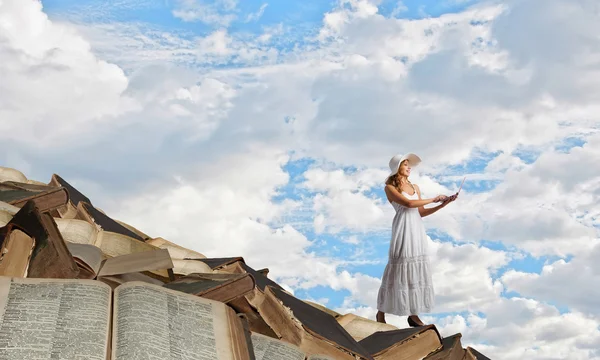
45,200
112,244
251,302
176,251
220,287
16,248
360,327
268,348
451,349
87,212
86,319
472,354
94,265
50,257
403,344
69,210
333,313
310,329
218,263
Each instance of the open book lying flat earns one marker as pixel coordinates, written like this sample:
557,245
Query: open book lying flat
142,321
267,348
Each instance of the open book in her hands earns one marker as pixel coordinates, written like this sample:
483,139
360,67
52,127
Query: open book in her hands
81,319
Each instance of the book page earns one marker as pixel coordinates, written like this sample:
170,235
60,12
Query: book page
137,262
16,252
176,251
360,328
267,348
114,244
54,319
10,174
10,209
76,231
186,267
89,254
319,357
5,217
154,323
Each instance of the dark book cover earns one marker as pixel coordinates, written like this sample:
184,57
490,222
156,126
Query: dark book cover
28,187
320,323
215,263
108,224
50,258
450,344
74,194
478,355
198,284
382,340
261,280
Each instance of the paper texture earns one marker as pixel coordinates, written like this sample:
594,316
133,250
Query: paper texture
137,262
176,251
267,348
77,231
89,254
186,267
114,244
5,217
154,323
54,319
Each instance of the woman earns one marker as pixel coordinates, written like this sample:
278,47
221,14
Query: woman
406,286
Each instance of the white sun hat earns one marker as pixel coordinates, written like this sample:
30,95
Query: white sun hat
413,160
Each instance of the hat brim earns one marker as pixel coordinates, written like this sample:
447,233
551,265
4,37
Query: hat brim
413,159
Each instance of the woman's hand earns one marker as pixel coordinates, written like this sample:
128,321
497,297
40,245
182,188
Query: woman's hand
440,198
449,199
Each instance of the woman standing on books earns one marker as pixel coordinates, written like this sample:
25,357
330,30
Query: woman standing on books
406,286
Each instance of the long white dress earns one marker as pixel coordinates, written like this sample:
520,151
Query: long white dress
406,286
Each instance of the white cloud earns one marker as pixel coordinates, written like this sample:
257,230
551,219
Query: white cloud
493,78
258,14
567,283
219,12
52,86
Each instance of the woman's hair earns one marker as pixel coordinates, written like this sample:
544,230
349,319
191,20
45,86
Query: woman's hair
396,180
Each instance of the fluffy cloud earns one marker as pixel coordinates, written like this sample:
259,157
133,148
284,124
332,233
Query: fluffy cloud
53,86
220,12
181,153
566,283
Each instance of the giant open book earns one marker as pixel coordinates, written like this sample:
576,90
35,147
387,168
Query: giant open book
86,319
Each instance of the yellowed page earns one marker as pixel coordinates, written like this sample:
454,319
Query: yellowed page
77,231
10,209
5,217
114,244
186,267
35,182
155,323
137,262
176,251
267,348
54,319
10,174
89,254
320,357
359,327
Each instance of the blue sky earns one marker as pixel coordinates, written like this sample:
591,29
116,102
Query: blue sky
301,19
263,129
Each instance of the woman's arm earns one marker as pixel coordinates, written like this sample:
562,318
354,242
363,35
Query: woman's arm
394,195
426,212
